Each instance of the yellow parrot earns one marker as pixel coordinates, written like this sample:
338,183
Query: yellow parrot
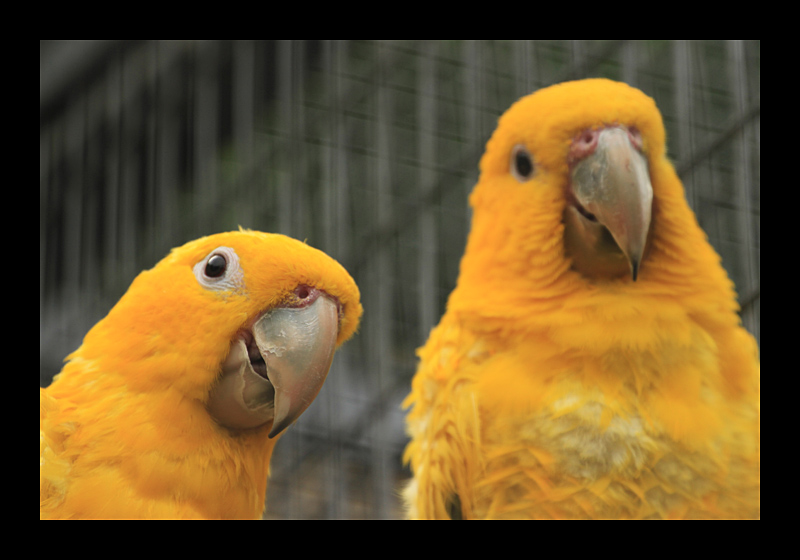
173,404
591,362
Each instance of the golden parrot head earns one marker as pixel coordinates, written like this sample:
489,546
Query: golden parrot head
569,166
243,323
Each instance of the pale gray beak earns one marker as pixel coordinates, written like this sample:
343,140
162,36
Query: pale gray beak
275,371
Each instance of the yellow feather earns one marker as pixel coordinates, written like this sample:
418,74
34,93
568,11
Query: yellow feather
547,394
124,431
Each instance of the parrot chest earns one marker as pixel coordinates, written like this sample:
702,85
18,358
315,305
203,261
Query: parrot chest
586,463
577,439
544,463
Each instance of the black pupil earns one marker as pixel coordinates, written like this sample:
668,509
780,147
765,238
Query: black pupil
524,164
215,266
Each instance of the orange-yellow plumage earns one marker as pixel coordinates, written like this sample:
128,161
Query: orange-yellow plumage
124,429
555,389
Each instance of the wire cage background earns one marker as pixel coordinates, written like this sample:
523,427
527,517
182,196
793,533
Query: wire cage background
367,150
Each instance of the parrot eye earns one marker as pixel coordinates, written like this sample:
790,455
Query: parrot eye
215,266
521,163
220,270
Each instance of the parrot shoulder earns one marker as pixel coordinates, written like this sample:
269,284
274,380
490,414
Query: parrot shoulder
444,423
54,466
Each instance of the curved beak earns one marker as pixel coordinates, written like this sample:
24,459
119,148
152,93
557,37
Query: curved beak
612,194
297,344
275,371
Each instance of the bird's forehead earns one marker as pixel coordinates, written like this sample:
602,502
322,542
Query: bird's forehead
548,120
554,115
249,246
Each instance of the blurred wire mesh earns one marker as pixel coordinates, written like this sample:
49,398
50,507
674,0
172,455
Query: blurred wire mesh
368,151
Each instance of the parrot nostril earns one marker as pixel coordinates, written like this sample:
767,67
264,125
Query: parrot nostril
302,292
584,144
635,137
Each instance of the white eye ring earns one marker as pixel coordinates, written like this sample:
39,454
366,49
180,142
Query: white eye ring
522,167
230,278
